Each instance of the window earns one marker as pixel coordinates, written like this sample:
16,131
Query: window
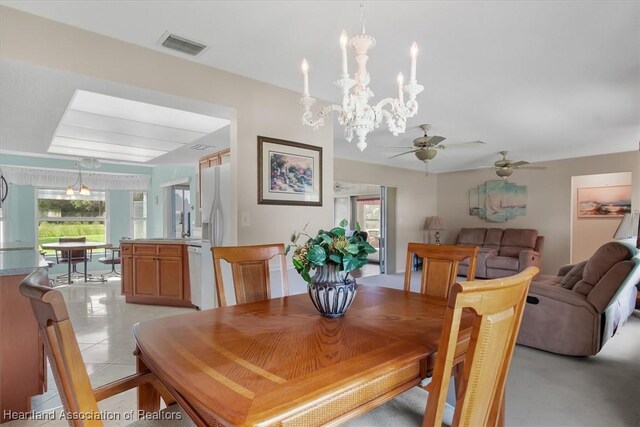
138,209
60,215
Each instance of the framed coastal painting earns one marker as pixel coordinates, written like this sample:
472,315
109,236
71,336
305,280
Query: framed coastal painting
609,201
289,173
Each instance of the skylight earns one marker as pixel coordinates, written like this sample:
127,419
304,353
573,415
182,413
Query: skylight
106,127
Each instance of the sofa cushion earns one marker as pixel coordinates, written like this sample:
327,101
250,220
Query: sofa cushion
572,277
605,257
472,236
599,264
516,240
493,238
606,287
503,263
547,280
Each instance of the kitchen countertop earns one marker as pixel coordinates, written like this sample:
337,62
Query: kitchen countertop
24,261
162,241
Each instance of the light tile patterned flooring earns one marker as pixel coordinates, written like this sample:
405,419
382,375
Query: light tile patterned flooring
102,322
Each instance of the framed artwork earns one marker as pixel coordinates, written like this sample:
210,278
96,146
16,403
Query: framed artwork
610,201
498,201
289,173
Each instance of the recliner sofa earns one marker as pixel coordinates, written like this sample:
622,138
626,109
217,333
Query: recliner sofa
576,312
502,252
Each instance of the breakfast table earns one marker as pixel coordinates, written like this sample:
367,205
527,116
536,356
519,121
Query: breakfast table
75,246
279,362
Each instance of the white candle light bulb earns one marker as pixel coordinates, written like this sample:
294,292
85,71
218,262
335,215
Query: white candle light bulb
414,55
305,76
344,39
400,85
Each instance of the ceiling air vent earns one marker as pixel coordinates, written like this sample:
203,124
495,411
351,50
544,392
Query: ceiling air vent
200,147
182,45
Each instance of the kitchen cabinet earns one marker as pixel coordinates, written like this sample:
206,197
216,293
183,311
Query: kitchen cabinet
156,273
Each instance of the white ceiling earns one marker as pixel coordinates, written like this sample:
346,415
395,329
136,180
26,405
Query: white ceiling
544,80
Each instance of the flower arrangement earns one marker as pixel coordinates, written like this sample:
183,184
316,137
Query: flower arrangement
331,247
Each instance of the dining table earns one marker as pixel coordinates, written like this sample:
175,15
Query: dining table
280,362
75,246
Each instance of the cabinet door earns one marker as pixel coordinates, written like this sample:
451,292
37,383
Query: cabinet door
145,273
170,277
127,275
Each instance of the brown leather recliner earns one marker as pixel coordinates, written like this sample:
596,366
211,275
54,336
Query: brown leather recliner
577,319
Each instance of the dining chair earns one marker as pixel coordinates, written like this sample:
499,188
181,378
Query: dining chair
73,257
498,305
68,368
111,259
250,270
439,266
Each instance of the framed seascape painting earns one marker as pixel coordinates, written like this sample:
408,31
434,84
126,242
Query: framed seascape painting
599,202
289,173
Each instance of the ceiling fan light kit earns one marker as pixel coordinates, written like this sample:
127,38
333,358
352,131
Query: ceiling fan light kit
355,113
505,167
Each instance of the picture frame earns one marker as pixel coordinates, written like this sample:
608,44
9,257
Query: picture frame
289,173
611,201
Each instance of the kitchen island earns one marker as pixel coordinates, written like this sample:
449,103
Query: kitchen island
22,361
156,271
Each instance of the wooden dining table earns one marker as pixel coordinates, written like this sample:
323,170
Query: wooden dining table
280,362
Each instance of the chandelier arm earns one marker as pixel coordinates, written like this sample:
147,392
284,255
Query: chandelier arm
397,124
308,120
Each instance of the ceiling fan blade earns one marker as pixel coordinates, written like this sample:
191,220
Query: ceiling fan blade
532,167
402,154
396,147
518,164
471,144
436,140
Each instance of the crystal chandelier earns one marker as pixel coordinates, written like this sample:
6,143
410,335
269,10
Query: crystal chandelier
355,113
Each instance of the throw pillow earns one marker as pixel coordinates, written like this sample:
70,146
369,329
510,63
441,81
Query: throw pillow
573,276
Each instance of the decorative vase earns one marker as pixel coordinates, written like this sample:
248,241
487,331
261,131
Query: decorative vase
331,290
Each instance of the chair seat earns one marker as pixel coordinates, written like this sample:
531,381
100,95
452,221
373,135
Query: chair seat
405,410
109,260
172,416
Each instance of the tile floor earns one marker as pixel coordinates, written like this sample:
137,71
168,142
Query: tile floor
102,322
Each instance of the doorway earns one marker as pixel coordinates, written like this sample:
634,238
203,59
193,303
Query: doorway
368,205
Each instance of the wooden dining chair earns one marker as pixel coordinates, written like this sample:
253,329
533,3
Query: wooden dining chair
68,367
498,305
439,266
250,268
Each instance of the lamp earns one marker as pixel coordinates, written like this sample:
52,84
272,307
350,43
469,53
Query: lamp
628,227
355,113
82,188
435,223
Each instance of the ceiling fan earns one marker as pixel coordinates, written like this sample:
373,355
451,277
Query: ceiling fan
426,147
505,167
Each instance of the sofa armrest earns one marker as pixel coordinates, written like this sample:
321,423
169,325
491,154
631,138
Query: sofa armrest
481,260
529,258
566,296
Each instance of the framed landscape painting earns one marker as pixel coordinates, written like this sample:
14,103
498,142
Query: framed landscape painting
289,173
610,201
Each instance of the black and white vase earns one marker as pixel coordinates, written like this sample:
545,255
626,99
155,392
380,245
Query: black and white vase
332,291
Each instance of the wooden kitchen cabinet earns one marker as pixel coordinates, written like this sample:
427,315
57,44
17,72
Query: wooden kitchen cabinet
156,274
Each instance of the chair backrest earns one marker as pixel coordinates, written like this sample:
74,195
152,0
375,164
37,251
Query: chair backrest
439,266
498,306
250,268
60,345
75,254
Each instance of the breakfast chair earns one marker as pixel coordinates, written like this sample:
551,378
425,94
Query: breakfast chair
112,259
498,305
439,266
250,268
68,367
